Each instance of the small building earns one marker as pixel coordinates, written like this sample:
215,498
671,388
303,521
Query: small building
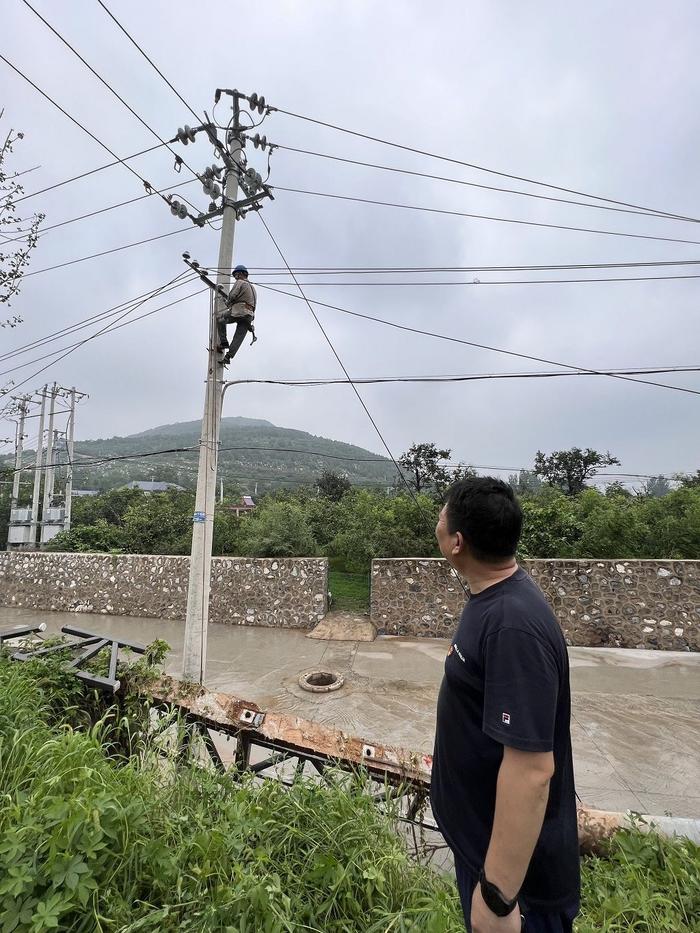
78,493
245,505
150,486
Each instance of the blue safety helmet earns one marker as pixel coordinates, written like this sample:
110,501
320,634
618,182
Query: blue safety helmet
241,269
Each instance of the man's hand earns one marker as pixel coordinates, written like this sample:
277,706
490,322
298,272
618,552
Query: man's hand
485,921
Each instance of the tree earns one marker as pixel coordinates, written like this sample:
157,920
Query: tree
333,485
424,471
569,469
21,233
277,529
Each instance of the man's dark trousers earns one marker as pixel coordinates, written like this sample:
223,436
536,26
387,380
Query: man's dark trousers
243,325
535,921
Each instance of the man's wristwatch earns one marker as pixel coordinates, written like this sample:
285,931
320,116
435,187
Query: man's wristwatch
494,898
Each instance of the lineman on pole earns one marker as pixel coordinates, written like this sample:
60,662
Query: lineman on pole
239,310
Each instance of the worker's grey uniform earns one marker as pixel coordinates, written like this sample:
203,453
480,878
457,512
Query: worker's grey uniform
239,310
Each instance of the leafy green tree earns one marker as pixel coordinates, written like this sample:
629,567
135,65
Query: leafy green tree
332,485
101,536
551,527
423,467
277,529
569,469
160,523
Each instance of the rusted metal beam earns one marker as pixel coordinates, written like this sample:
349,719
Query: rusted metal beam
289,736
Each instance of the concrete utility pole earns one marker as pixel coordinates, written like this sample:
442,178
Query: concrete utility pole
197,618
49,473
23,408
37,471
70,431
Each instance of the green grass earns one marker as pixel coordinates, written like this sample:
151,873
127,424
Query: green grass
350,591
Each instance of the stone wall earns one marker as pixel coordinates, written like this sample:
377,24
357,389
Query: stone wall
624,603
289,592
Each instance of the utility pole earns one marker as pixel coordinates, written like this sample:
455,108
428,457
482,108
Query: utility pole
49,473
23,408
70,431
197,618
37,471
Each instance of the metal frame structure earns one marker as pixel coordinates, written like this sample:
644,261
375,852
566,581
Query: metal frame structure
89,644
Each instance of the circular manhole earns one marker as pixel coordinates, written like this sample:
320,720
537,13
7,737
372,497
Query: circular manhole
321,681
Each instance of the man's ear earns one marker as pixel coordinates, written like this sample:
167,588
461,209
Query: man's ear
458,546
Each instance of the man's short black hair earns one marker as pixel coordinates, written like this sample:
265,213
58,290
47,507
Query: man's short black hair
487,514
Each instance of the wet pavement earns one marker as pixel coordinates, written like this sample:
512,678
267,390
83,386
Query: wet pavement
635,713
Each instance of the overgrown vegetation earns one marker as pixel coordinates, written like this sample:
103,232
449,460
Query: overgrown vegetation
99,833
93,842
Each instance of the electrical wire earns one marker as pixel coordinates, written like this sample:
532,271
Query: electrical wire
384,270
149,60
472,184
106,252
109,87
347,376
506,220
112,207
73,348
98,318
480,346
479,282
481,168
92,136
92,171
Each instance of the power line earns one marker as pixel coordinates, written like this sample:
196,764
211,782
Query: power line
473,184
74,347
92,171
479,282
92,136
99,460
480,346
112,207
86,322
106,252
383,270
347,376
481,168
107,330
506,220
149,60
469,377
107,85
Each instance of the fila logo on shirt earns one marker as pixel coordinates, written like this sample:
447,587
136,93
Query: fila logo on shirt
455,647
505,718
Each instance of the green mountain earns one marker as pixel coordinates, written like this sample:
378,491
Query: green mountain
253,452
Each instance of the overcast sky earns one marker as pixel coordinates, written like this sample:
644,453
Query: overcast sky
600,97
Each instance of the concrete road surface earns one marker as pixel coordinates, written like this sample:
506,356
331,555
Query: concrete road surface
635,713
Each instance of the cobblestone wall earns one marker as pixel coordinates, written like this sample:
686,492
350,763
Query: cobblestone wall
289,593
625,603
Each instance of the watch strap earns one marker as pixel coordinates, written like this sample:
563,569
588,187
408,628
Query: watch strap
494,898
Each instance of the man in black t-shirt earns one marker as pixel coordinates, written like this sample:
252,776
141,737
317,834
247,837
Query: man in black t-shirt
502,787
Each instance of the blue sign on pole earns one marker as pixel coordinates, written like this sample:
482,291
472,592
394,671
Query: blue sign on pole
199,517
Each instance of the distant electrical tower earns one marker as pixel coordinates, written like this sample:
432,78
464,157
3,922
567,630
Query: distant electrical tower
35,524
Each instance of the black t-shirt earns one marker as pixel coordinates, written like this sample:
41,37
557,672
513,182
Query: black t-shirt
507,683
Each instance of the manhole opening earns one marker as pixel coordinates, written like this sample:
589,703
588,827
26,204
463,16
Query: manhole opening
321,681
